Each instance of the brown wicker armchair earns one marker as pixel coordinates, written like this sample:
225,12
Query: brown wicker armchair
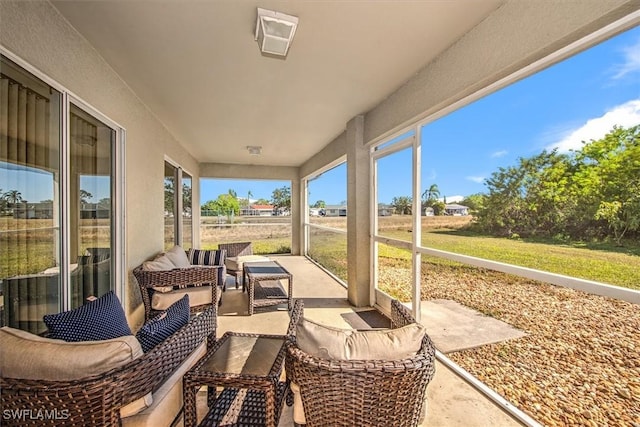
363,392
96,400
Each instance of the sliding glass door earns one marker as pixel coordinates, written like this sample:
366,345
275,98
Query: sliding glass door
57,186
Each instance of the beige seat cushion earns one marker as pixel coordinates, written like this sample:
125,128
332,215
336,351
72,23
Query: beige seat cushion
198,295
236,262
167,400
298,408
345,344
28,356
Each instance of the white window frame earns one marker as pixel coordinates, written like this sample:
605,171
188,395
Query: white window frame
118,168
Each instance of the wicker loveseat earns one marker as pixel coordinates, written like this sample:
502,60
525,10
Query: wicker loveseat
389,392
98,400
199,275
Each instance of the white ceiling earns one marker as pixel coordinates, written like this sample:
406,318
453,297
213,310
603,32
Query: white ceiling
196,66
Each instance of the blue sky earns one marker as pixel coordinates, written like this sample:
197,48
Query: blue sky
576,100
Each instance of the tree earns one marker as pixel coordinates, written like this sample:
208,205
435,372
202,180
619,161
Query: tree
186,196
85,196
281,199
105,202
249,195
262,202
402,205
612,166
593,192
169,194
13,197
3,202
430,194
474,202
319,204
438,208
225,204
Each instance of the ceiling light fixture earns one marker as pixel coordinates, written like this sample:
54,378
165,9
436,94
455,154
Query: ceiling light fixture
254,150
274,32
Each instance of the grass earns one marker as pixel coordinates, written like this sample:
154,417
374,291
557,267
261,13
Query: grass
600,261
615,268
330,250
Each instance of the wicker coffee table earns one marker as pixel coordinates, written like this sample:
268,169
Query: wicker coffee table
263,281
249,366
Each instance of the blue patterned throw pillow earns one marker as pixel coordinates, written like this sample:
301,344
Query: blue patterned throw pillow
206,257
101,319
164,325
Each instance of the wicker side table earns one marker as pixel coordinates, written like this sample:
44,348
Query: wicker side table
249,366
263,284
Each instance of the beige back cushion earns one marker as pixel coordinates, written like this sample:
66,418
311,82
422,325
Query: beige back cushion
178,257
160,263
345,344
28,356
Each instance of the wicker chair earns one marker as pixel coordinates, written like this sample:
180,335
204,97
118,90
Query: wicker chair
363,392
196,275
234,251
96,400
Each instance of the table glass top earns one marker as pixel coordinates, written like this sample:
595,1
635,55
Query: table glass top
245,355
266,267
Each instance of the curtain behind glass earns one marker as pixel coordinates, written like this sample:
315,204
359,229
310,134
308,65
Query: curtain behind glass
29,199
187,210
90,190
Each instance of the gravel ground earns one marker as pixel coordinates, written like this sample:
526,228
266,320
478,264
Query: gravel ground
579,364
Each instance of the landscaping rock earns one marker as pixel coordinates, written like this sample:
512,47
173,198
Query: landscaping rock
579,363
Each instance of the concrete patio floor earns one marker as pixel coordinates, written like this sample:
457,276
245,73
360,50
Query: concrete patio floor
451,400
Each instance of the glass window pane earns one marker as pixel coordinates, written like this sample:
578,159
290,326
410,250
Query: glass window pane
394,271
328,198
187,225
246,210
394,189
91,190
329,249
29,199
170,205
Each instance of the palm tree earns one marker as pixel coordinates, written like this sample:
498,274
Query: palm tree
431,194
13,197
249,195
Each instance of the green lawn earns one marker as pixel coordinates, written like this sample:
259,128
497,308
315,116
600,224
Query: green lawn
601,264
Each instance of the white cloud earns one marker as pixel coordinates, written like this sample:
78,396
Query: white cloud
478,179
625,115
500,153
631,62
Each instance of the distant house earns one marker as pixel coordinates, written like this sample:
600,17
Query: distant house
42,210
429,211
456,210
385,210
258,210
335,210
94,211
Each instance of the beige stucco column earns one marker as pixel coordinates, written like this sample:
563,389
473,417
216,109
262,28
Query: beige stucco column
358,218
296,217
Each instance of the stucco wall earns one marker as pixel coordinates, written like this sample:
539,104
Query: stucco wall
35,32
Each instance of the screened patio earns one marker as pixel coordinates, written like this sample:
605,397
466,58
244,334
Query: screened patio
179,92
